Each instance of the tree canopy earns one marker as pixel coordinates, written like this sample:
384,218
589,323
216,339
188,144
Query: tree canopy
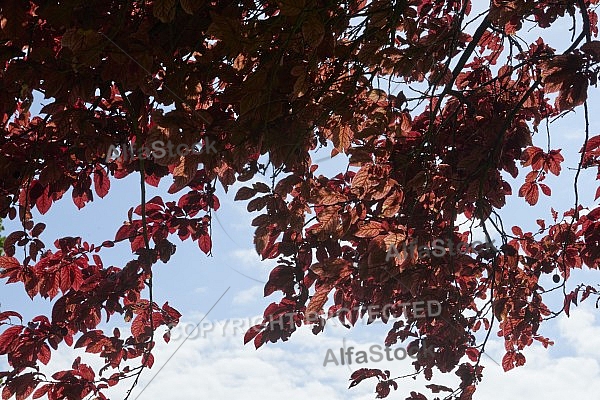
433,104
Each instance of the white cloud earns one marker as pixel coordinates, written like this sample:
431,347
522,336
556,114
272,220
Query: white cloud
248,296
218,365
582,331
200,290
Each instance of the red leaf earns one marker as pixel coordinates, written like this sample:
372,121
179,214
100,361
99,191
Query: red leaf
532,176
76,277
81,196
508,361
205,243
138,326
97,260
258,340
215,203
519,359
157,200
545,189
252,332
44,202
592,48
573,92
594,214
86,372
364,373
317,301
124,232
171,312
541,223
22,386
592,144
149,360
8,337
42,391
438,388
553,161
38,229
473,354
101,182
137,243
11,240
89,337
7,262
467,393
44,354
280,278
383,389
7,314
530,191
533,156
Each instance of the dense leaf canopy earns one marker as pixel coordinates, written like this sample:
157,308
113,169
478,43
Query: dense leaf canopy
433,105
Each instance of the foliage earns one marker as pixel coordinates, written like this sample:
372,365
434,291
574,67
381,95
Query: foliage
273,80
2,238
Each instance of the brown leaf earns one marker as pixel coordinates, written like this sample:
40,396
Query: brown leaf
261,187
226,29
313,30
592,48
184,172
361,180
79,39
329,197
239,62
164,10
391,204
438,388
558,70
368,230
317,301
377,95
573,95
394,239
260,242
291,8
468,392
190,6
300,86
226,176
245,193
257,204
286,185
329,221
336,268
342,136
